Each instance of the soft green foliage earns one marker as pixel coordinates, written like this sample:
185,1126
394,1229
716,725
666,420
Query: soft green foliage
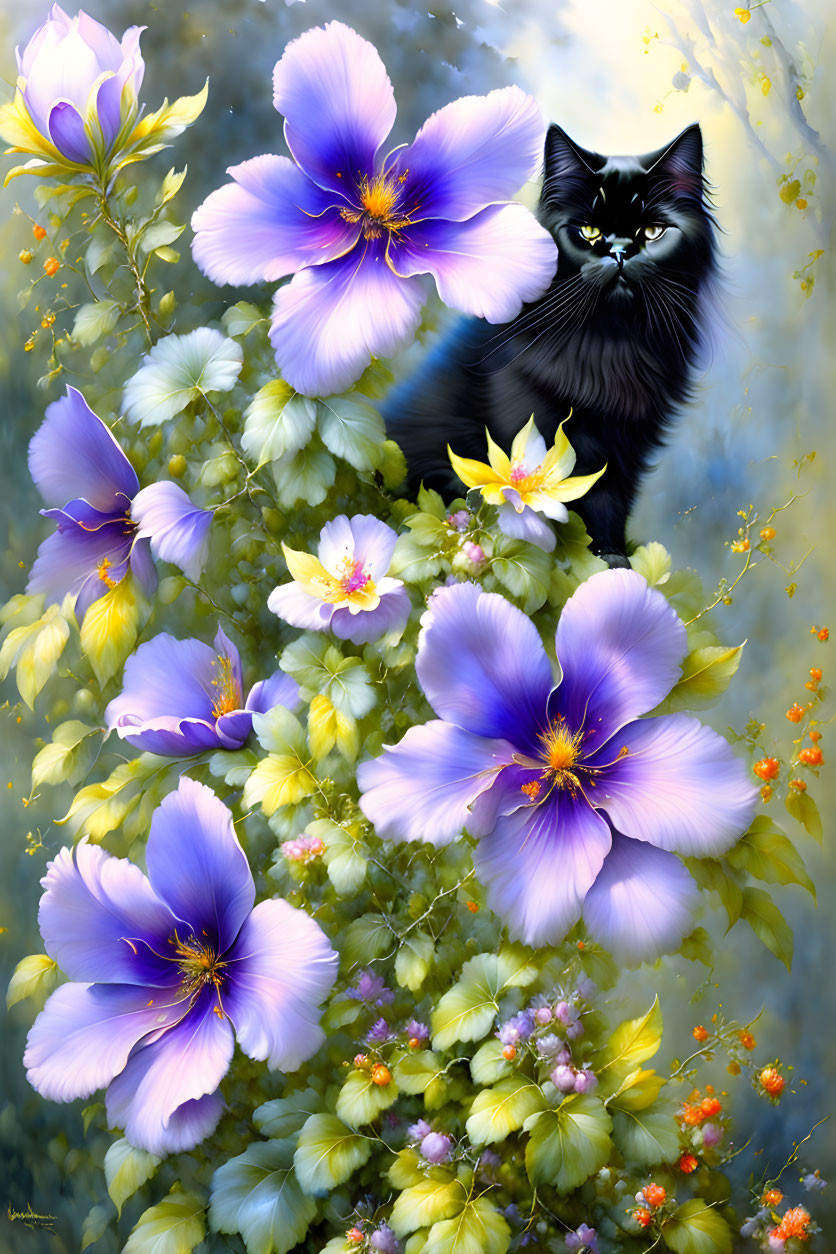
567,1145
696,1228
126,1169
34,976
173,1226
258,1195
327,1153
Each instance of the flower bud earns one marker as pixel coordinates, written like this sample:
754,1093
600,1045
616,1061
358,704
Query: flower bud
563,1079
435,1147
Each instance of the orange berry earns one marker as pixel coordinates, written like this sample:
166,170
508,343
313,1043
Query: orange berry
381,1075
746,1039
710,1106
772,1082
581,945
414,1043
768,533
25,256
814,736
472,907
692,1115
355,1236
815,674
688,1163
811,686
811,757
700,1033
794,1224
772,1197
795,713
39,231
800,785
766,792
509,1052
642,1216
823,634
654,1195
51,266
767,768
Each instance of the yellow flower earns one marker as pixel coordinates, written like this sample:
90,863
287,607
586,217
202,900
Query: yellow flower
532,477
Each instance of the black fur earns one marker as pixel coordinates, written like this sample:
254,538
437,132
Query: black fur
615,339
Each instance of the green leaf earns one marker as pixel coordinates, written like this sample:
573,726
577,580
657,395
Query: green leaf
159,235
804,810
352,429
94,1225
34,649
412,562
361,1100
525,570
646,1137
488,1064
715,876
68,756
178,370
306,476
696,1228
408,1169
240,318
283,1116
94,320
653,561
328,1153
634,1041
126,1169
34,976
233,766
173,1226
637,1091
258,1195
498,1111
768,924
766,853
466,1011
429,502
424,1203
365,939
277,422
100,808
170,185
568,1145
346,866
477,1229
416,1071
111,626
706,674
412,961
278,780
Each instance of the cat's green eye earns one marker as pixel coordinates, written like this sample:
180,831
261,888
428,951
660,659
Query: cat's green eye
591,234
654,232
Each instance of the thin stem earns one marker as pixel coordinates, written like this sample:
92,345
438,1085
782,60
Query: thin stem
143,298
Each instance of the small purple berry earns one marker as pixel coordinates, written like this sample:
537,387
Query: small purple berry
435,1147
543,1015
563,1078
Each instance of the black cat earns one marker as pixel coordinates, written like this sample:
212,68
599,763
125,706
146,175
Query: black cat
615,338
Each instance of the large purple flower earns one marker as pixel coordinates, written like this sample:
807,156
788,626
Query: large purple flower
358,226
578,803
109,527
168,971
181,697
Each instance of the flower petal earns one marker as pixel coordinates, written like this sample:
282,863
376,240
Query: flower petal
296,606
488,266
473,152
389,616
280,968
173,737
270,222
177,529
538,864
363,538
679,786
527,525
66,130
642,903
620,646
93,906
72,554
338,104
330,320
426,787
184,1065
279,689
196,863
165,678
84,1034
73,454
482,665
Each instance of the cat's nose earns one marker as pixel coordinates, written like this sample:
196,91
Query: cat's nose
618,250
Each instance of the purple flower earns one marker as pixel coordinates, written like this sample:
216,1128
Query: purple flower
378,1032
419,1130
813,1181
76,90
578,804
345,589
435,1147
563,1078
585,1081
168,971
416,1031
109,527
372,989
712,1134
356,227
584,1240
181,697
518,1028
384,1241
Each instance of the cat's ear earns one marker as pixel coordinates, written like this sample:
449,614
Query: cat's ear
566,164
679,163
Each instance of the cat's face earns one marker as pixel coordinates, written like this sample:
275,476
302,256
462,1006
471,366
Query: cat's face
632,232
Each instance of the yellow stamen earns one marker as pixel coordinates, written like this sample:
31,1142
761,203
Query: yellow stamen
561,750
199,964
379,197
102,569
229,693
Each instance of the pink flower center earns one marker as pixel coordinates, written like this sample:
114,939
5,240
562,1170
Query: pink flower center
352,576
525,480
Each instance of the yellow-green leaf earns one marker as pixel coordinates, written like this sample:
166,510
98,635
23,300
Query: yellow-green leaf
706,674
35,649
173,1226
280,779
328,1153
478,1229
111,626
768,924
769,855
502,1109
426,1202
416,1071
634,1040
33,976
412,962
126,1169
567,1146
639,1090
697,1228
361,1100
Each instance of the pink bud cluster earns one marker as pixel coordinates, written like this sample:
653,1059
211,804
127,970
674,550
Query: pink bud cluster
303,849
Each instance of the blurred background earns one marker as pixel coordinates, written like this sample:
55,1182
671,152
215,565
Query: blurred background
619,76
